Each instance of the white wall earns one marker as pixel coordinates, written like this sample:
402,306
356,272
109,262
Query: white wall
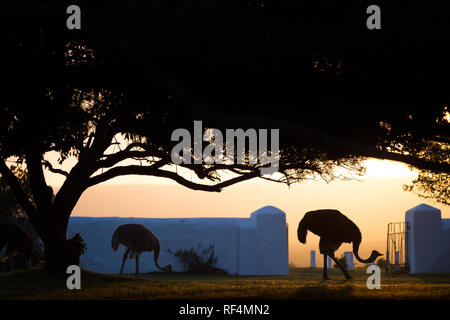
257,245
428,240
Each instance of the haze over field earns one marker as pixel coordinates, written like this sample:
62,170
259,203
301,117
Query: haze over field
371,203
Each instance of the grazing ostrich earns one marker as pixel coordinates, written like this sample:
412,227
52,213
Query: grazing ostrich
137,238
333,228
15,241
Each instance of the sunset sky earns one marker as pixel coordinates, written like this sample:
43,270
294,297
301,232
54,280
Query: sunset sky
371,202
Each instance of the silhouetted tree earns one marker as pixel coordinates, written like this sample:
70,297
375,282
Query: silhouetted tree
116,89
430,185
381,262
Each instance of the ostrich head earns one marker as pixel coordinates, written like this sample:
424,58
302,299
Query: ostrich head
374,255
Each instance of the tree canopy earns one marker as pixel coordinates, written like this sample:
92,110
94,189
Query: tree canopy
136,71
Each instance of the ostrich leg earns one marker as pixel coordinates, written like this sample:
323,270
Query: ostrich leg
325,270
137,264
124,258
346,274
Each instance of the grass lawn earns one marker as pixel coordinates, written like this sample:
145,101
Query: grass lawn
301,283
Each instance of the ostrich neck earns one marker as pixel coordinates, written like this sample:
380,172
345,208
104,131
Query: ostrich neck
156,255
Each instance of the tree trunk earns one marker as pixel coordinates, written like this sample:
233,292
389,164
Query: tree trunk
61,253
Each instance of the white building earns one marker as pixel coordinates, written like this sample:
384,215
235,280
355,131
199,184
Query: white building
428,241
257,245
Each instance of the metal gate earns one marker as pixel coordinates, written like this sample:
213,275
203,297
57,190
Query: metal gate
397,247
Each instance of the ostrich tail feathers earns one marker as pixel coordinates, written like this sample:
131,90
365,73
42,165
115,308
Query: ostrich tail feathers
115,242
301,233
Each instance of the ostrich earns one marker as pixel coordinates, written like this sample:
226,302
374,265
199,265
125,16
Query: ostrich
137,238
15,241
333,228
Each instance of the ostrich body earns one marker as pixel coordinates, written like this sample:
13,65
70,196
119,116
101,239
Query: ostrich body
137,239
333,228
14,240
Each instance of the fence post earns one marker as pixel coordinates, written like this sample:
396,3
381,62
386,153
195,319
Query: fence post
313,258
349,259
397,261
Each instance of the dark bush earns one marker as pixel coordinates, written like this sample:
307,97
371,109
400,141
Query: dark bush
198,260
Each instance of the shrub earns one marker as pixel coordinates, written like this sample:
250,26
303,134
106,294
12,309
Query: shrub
381,262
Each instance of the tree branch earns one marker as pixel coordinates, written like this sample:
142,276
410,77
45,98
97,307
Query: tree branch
89,141
49,166
72,188
42,193
20,194
154,170
113,159
411,160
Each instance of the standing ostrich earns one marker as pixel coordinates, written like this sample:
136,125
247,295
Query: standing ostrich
14,240
137,238
333,228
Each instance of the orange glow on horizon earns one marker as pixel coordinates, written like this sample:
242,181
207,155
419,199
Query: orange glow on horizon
371,201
